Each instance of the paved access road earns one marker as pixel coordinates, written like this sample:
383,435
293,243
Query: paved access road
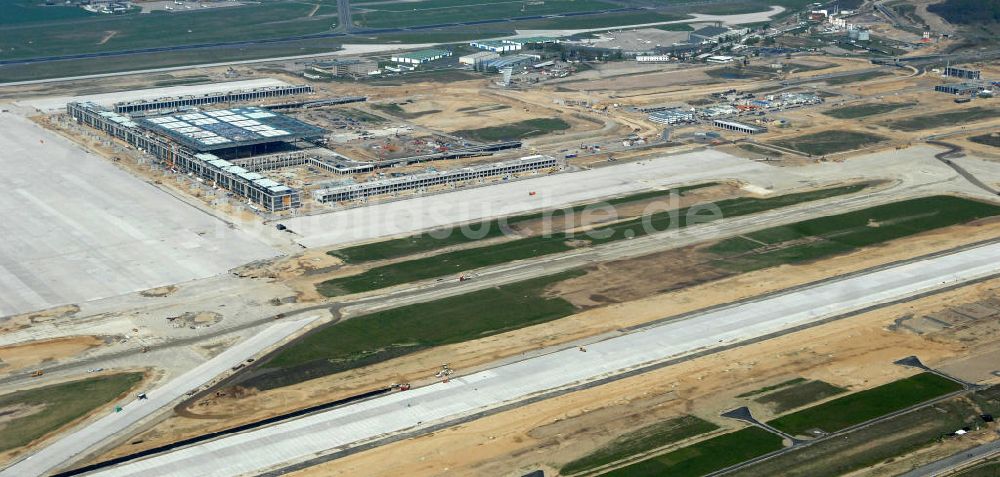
112,425
958,461
457,400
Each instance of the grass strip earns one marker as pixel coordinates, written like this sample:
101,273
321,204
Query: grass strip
862,406
642,440
826,236
704,457
512,131
388,334
773,387
463,260
449,236
48,408
799,395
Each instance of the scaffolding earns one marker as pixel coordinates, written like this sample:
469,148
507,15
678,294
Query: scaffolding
219,172
429,179
174,102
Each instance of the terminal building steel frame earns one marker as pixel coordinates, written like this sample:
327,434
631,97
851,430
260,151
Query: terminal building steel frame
175,102
428,179
739,127
251,185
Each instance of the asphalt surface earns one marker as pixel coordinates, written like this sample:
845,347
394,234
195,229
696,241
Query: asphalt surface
450,402
92,434
286,39
958,461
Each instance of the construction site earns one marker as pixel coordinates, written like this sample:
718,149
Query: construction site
761,244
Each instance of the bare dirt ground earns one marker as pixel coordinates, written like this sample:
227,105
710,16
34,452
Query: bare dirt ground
22,356
465,357
855,353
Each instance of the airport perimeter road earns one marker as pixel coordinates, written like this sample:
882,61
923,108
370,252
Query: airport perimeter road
462,398
956,462
90,435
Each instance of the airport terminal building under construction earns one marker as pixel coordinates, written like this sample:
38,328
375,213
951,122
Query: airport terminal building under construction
233,148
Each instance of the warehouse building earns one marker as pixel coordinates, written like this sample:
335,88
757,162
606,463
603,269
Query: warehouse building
653,58
739,127
495,46
478,58
958,88
672,116
346,67
534,40
714,34
419,57
511,61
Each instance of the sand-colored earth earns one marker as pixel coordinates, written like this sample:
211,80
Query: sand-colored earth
465,357
855,352
37,353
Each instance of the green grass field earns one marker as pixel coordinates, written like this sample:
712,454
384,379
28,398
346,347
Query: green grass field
836,234
798,395
872,445
861,406
449,236
50,408
987,139
388,334
267,20
434,12
17,12
928,121
863,110
607,20
453,263
704,457
642,440
511,131
829,142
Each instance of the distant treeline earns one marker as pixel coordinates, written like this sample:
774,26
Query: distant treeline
968,11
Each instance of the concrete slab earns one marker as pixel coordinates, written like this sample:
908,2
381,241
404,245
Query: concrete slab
407,216
158,399
76,228
447,403
58,103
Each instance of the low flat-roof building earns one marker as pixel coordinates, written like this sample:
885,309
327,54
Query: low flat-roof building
653,58
672,116
958,88
719,59
495,46
418,57
739,127
346,67
478,57
710,34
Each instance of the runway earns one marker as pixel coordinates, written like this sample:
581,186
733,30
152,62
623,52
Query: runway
159,399
452,402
